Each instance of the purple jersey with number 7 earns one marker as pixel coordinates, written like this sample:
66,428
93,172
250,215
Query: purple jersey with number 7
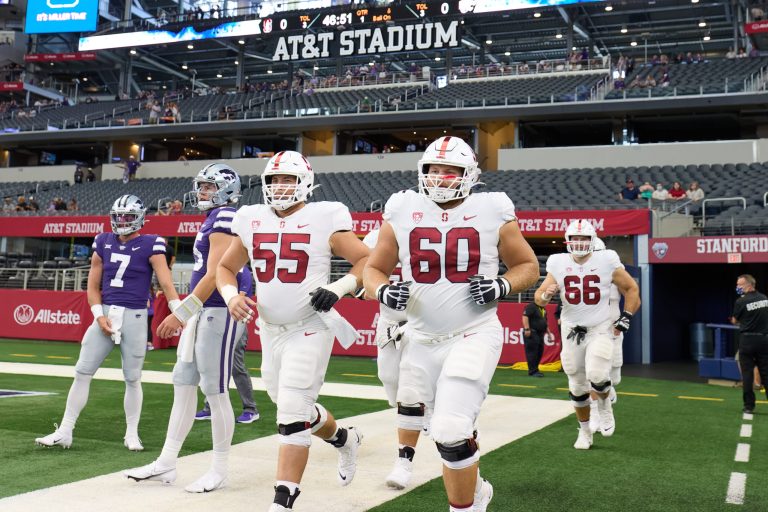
127,272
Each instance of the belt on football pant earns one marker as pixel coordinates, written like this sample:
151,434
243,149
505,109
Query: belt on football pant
288,327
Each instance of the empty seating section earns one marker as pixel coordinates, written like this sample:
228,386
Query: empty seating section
711,77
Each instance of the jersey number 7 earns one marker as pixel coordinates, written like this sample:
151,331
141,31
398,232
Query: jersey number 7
287,253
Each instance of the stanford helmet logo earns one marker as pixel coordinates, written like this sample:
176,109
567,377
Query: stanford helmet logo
417,216
23,314
660,249
267,26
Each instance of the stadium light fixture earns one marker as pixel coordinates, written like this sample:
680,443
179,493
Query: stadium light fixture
702,23
437,58
694,1
133,51
241,41
633,43
237,62
184,66
218,74
85,79
489,40
559,35
574,48
149,78
507,53
623,29
536,14
707,37
165,86
269,71
190,46
608,8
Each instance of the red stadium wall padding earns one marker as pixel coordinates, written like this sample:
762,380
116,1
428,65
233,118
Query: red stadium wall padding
46,315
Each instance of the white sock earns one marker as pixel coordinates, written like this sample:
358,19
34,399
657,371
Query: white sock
179,424
132,401
76,400
222,429
584,425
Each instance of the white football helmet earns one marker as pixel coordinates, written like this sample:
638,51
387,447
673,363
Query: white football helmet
454,151
127,215
580,228
227,183
291,163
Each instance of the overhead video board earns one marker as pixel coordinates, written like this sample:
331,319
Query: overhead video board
56,16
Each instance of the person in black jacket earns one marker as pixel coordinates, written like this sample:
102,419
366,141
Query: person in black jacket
534,329
751,314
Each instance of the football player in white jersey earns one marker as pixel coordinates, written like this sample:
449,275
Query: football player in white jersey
411,419
618,354
290,243
584,278
449,242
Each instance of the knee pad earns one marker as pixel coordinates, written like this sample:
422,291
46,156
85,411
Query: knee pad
578,384
579,401
296,433
459,455
410,416
602,387
294,406
319,417
449,429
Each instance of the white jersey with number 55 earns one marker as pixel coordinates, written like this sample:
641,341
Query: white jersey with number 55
440,250
290,256
585,289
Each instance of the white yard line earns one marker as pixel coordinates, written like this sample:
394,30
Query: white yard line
747,416
742,453
736,489
746,431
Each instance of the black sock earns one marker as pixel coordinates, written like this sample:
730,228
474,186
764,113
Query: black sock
406,452
339,439
283,496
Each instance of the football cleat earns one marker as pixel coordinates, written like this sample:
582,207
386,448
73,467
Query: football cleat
57,438
133,443
401,474
613,396
584,441
607,421
207,483
275,507
594,417
152,471
483,497
348,456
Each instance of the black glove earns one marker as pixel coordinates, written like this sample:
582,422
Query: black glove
485,290
323,299
623,322
394,296
577,334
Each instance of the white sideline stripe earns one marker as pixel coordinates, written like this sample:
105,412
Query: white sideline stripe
742,453
252,468
746,431
156,377
736,489
747,416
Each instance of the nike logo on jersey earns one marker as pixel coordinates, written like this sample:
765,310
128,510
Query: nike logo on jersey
592,269
309,333
135,248
470,217
302,226
468,334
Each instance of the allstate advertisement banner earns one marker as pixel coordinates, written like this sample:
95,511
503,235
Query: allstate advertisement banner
44,315
65,316
709,249
548,223
55,16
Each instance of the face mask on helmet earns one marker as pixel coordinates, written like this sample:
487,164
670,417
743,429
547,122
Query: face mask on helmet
448,151
127,215
582,246
282,196
227,187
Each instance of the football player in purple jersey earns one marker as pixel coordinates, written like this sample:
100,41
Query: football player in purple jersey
208,339
118,285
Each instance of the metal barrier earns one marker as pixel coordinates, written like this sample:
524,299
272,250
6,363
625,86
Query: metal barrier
719,199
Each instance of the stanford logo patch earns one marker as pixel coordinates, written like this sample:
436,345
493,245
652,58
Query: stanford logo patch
267,26
660,249
255,225
417,216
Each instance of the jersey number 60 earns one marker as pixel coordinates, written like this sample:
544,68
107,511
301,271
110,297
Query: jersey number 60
427,264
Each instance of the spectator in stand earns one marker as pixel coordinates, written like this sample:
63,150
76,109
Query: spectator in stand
166,209
21,204
72,206
660,194
365,105
694,192
677,192
154,111
131,166
32,205
646,190
78,175
411,147
730,54
8,205
629,192
90,177
665,79
175,208
60,205
742,53
754,53
52,205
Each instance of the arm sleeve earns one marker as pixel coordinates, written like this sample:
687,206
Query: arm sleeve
223,221
158,247
341,219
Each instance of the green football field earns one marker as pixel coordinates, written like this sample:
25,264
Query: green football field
674,448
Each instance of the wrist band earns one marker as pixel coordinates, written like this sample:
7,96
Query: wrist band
545,297
228,292
345,285
97,310
188,308
173,304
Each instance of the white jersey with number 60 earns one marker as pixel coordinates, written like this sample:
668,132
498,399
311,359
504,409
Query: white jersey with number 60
440,250
290,256
585,289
